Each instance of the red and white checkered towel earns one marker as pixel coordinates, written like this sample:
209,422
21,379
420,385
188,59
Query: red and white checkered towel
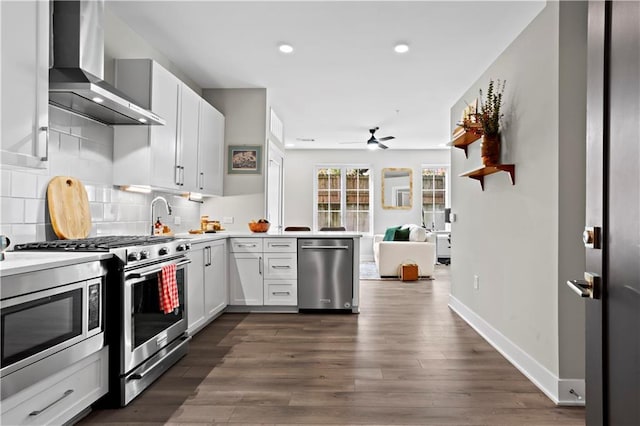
168,289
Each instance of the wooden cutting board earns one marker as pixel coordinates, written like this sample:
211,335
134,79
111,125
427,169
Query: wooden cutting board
69,208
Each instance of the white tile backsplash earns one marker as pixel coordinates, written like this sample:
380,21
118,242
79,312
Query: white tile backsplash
11,210
83,149
34,211
5,183
23,233
69,144
23,185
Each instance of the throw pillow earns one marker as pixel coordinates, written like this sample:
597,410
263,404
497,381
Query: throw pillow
402,234
390,233
418,234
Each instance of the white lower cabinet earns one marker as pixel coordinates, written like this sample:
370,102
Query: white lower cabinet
207,283
263,272
60,397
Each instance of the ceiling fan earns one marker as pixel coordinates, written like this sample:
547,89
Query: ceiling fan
373,142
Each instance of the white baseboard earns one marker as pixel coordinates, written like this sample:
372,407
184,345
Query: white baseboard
558,390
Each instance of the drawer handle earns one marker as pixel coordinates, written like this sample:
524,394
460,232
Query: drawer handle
245,245
280,245
38,412
276,293
281,267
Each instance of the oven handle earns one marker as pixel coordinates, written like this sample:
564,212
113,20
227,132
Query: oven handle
136,275
140,376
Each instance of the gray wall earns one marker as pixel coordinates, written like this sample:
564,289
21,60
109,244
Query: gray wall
245,112
523,241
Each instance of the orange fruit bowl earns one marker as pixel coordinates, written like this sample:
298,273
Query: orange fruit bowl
259,226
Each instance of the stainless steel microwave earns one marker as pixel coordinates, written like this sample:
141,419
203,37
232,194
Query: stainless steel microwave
50,328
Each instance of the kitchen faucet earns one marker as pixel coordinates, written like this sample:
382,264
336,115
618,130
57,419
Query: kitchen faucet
167,205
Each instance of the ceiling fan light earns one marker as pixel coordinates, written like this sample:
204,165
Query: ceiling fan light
401,48
285,48
372,145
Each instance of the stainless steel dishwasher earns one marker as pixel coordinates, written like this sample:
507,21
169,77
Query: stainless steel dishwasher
325,273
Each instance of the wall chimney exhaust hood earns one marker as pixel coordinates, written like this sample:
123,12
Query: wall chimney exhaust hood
76,80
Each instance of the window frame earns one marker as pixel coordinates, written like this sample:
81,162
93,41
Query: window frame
343,192
447,191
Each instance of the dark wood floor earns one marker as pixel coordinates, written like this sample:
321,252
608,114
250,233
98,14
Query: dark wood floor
405,359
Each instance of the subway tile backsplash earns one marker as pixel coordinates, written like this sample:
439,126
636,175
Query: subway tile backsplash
83,149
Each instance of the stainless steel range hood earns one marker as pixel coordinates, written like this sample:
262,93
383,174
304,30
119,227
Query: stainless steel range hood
75,81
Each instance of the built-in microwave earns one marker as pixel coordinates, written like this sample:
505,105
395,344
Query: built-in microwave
46,330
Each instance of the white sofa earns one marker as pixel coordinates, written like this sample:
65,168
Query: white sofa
389,255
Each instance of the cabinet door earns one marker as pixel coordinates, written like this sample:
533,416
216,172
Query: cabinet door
245,279
215,280
210,150
195,288
24,53
165,96
187,151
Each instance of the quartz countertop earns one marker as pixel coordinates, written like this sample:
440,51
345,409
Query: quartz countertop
270,234
18,262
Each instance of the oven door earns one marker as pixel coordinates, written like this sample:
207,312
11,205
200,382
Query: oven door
147,329
37,325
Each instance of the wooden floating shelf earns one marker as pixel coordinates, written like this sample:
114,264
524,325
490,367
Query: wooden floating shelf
465,139
479,174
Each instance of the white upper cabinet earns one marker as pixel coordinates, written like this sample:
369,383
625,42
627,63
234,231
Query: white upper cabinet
24,54
146,155
171,156
210,150
187,152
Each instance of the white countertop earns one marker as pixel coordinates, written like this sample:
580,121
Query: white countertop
18,262
270,234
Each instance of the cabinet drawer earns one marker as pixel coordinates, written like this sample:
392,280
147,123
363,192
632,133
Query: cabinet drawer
60,397
280,245
281,292
280,266
246,245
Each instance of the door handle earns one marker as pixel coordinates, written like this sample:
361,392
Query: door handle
589,287
325,247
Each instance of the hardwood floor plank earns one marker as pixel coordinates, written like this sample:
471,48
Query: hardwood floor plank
405,359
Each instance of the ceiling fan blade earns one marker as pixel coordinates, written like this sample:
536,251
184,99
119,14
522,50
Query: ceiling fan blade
382,146
386,138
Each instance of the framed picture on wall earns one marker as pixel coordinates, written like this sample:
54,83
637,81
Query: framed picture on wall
244,159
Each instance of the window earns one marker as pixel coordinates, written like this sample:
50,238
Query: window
434,196
342,198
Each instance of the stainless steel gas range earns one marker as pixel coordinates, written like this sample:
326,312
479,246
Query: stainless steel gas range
143,341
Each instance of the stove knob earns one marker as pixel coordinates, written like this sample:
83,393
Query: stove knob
181,247
188,246
163,251
133,256
144,254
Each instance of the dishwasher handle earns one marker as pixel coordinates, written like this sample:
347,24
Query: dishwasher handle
326,247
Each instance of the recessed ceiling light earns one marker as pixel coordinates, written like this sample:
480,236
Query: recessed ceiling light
285,48
98,100
142,120
401,48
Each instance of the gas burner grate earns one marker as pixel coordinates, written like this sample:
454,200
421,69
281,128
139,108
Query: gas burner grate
95,244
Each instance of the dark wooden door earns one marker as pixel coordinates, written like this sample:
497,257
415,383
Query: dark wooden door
613,205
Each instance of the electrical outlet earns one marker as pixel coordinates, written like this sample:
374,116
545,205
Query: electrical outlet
227,219
177,220
476,282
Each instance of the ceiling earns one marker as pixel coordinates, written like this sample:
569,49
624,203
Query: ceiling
343,76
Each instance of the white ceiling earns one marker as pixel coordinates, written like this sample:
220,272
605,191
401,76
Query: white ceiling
343,77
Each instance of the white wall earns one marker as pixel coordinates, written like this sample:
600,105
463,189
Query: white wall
299,176
122,42
523,240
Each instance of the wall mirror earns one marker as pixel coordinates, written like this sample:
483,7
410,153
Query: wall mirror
397,188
